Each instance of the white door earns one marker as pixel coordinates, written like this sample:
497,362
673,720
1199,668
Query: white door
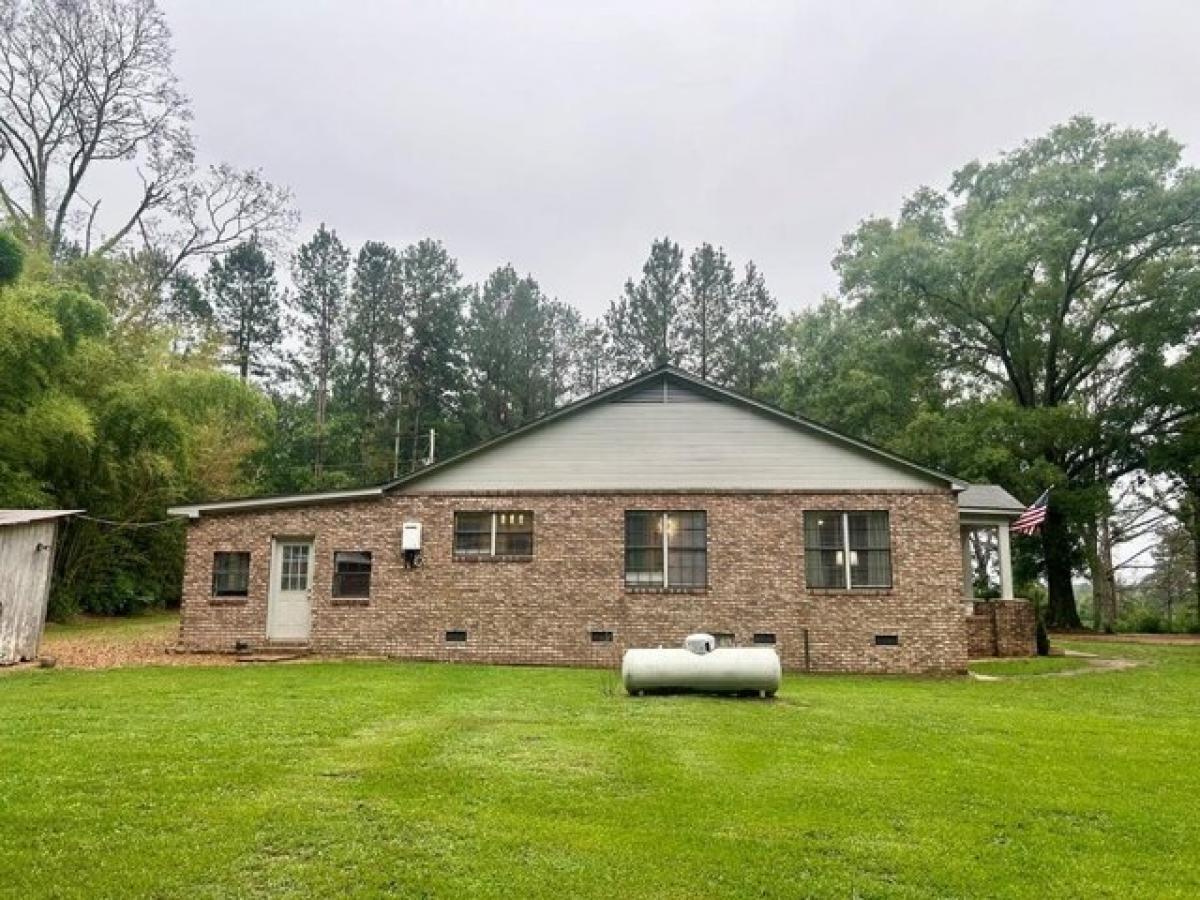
289,603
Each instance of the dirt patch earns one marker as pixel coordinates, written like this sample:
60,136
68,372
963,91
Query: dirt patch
107,644
1095,665
1174,640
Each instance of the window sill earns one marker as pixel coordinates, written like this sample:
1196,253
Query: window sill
634,589
852,592
228,601
498,558
349,601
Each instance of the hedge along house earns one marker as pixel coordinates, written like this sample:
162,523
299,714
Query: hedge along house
662,506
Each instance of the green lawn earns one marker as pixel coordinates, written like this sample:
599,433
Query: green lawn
459,781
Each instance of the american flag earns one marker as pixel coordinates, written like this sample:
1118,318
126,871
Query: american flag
1032,518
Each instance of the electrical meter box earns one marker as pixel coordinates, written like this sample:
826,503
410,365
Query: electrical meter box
410,536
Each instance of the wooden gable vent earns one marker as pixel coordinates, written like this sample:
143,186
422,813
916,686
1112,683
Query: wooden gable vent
661,391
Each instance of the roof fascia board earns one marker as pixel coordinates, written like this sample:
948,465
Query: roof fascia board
195,510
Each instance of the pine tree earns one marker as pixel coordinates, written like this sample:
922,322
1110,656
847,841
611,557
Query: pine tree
319,270
755,336
706,327
375,338
508,346
644,324
245,301
433,362
564,328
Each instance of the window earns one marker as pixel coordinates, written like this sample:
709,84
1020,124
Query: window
666,549
231,574
293,568
492,534
887,640
847,549
602,637
723,638
352,573
456,637
764,637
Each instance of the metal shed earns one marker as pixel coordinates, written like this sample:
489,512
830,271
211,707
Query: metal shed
26,562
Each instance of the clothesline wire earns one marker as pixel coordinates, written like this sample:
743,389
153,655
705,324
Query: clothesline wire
118,524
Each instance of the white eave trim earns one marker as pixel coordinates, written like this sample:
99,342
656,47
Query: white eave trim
195,510
994,512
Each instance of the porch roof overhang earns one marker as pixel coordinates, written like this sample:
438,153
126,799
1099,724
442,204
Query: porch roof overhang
988,503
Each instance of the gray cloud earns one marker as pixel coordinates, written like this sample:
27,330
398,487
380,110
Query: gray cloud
563,137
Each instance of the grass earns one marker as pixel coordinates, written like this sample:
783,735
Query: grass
1037,665
152,623
465,781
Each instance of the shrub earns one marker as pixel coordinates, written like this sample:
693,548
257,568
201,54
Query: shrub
12,258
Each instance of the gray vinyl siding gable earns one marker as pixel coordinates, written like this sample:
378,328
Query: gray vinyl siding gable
704,443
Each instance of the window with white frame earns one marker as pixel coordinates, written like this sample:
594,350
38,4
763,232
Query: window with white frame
506,533
846,550
666,549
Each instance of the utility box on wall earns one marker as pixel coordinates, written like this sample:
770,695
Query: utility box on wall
410,536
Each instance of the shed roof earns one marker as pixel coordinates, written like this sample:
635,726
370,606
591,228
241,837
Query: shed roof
989,499
25,516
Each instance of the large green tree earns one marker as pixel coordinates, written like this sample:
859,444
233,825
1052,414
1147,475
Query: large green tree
319,272
113,423
376,332
244,295
706,327
1066,262
434,372
644,324
509,350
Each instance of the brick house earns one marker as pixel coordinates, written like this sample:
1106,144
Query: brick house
662,506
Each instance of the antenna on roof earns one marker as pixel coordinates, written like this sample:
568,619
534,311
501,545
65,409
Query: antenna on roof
428,460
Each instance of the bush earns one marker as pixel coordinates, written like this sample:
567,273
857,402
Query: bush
1140,619
12,258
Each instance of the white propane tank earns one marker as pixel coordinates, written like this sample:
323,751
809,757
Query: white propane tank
723,670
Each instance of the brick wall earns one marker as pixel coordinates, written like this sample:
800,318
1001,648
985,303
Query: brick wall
1002,628
542,611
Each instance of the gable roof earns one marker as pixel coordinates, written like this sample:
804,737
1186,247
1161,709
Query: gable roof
632,390
670,375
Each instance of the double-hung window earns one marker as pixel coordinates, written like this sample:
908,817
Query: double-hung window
480,535
845,550
666,549
231,574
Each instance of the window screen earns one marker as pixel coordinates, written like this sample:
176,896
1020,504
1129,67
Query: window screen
352,573
231,574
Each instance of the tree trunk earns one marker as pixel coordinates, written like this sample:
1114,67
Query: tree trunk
1108,598
1195,500
1061,611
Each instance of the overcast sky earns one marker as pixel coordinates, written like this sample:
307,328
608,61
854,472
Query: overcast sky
562,137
